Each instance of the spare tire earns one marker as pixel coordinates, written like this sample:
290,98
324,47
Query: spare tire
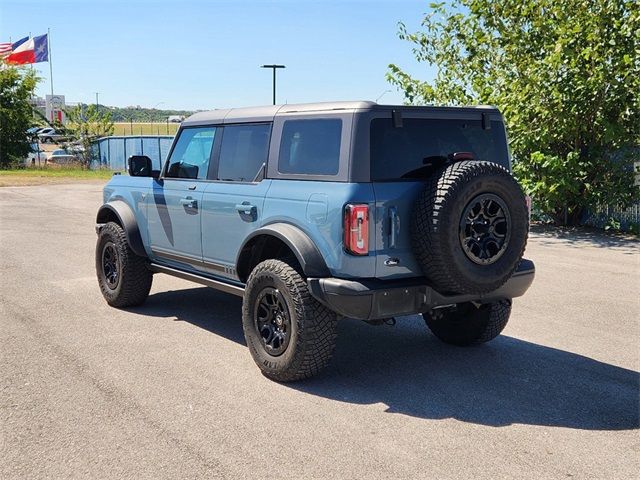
469,228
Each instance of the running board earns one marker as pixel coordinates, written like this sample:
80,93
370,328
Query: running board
192,277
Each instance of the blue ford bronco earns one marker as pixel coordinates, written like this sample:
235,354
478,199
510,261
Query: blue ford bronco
316,212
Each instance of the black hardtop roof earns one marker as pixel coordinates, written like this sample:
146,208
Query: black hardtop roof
267,113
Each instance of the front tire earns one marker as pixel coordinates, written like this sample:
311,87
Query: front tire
290,335
123,276
468,324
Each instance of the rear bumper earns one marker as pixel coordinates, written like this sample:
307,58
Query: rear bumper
374,299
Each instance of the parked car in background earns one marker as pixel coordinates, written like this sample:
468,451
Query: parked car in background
33,133
175,118
50,135
63,157
34,130
36,156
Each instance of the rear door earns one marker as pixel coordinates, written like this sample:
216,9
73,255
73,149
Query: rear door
233,202
175,202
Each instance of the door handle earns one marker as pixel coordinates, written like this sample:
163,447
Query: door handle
247,208
394,226
189,202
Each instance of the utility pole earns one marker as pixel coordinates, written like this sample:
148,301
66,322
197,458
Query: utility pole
273,67
97,93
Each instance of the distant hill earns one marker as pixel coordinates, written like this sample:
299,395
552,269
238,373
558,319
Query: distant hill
142,114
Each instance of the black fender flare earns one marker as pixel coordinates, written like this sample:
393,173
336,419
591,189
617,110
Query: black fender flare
309,257
127,220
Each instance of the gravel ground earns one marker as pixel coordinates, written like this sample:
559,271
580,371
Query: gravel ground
169,390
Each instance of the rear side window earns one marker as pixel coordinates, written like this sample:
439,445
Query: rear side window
310,147
400,152
243,152
190,156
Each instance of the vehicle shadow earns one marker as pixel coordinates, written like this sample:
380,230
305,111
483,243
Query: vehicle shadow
507,381
586,237
204,307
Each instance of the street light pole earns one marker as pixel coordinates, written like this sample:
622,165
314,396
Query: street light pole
273,67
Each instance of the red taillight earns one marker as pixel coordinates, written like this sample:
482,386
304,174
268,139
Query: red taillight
356,229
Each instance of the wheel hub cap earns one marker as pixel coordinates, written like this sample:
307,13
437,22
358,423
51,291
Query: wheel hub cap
485,229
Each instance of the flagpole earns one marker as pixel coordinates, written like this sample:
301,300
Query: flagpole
50,64
32,67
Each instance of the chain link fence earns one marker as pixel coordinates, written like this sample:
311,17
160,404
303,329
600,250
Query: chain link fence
627,218
623,218
112,152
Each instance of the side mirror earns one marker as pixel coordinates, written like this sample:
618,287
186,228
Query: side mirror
139,166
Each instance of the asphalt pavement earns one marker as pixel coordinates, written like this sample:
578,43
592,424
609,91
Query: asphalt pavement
169,390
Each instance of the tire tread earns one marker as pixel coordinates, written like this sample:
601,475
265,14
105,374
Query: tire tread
429,243
315,341
136,278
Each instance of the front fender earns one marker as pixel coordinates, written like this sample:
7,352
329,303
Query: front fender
120,212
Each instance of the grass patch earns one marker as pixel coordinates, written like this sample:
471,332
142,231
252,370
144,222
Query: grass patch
158,128
39,176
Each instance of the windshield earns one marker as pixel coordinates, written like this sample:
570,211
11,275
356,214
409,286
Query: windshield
403,152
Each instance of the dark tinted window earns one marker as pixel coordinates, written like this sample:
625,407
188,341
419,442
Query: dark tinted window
400,152
310,147
190,157
244,150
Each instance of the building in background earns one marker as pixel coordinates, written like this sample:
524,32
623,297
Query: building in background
54,108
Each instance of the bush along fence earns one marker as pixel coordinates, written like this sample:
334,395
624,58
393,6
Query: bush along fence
614,218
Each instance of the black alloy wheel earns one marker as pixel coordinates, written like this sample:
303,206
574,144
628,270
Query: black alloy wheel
110,265
272,321
485,229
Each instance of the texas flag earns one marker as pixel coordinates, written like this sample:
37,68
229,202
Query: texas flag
33,50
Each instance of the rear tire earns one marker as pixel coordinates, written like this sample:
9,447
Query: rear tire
468,324
123,276
290,335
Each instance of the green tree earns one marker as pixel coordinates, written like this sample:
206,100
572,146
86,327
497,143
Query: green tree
16,89
566,76
85,124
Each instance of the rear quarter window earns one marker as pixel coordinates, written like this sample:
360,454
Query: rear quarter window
310,147
398,152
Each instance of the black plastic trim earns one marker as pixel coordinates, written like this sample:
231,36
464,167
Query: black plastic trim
306,252
370,299
127,220
201,279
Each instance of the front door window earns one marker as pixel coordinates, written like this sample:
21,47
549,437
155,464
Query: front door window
191,155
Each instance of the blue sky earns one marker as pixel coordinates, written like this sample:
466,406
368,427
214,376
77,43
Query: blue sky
206,54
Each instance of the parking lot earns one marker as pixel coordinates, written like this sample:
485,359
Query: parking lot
169,390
